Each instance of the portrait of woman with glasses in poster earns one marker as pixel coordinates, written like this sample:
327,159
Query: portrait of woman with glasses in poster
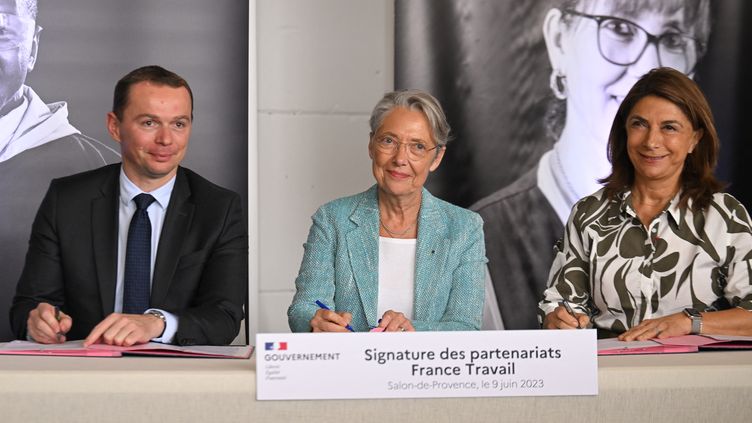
597,50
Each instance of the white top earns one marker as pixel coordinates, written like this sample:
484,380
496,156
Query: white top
396,275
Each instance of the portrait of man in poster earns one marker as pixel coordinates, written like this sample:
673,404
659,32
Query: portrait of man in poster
37,142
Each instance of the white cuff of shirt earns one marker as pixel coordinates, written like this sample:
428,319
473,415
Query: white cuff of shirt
171,326
548,307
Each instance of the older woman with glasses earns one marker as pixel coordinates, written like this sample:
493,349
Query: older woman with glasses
597,50
394,258
659,251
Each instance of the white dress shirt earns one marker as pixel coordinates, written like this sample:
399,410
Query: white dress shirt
156,211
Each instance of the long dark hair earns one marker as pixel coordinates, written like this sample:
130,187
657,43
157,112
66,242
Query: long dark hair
697,179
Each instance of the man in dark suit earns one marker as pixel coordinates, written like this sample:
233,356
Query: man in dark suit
140,251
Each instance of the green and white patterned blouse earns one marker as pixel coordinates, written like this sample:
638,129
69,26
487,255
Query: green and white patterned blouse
620,273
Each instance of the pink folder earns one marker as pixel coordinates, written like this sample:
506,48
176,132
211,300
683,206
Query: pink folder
76,349
677,344
615,347
710,341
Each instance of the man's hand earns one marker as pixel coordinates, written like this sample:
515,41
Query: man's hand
125,330
47,324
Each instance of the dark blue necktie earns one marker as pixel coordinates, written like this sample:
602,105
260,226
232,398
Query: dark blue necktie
138,259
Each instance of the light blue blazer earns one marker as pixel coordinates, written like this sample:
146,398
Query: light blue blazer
341,261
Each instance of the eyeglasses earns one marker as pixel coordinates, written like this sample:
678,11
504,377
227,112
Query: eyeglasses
623,42
415,150
15,30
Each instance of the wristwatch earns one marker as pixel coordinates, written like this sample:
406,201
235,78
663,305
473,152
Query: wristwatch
696,319
158,314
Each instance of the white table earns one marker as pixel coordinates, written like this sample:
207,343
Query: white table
707,386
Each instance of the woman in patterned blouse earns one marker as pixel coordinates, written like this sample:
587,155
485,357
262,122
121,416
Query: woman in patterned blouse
659,251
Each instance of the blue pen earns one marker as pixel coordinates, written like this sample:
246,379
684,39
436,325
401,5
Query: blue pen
323,306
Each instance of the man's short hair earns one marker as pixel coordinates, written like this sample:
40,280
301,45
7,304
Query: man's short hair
154,74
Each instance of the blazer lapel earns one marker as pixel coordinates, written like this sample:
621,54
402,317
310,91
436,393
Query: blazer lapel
174,230
104,229
363,250
431,255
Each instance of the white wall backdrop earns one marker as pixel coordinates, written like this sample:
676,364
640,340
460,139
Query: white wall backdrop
321,67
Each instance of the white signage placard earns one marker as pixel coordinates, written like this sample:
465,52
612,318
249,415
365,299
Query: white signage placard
426,364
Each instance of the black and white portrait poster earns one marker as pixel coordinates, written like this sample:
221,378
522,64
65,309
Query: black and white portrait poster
59,62
531,89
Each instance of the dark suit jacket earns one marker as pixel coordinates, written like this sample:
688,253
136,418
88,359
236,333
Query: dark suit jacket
23,180
201,268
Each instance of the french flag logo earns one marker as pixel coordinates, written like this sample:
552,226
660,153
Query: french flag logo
275,346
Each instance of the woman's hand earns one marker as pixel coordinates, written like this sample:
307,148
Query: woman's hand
330,321
676,324
561,319
394,321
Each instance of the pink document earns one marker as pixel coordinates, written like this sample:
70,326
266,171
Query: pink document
76,349
710,341
613,346
677,344
157,349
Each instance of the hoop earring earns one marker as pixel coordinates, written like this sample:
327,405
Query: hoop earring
558,84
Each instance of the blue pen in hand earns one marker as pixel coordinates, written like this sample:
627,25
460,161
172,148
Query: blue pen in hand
323,306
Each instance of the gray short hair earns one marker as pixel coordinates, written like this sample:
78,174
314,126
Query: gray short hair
413,100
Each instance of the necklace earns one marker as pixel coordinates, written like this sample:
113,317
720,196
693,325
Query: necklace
393,233
567,188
